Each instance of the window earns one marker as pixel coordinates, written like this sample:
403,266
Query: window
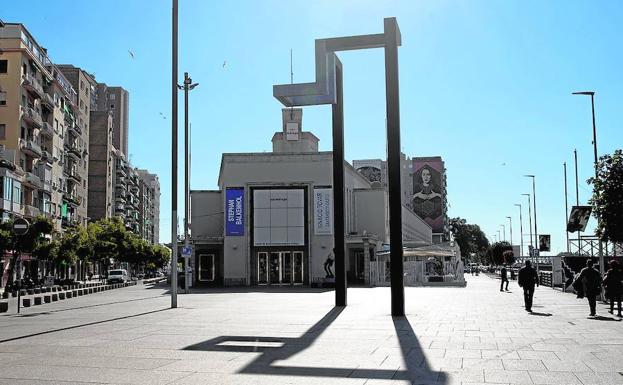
2,131
4,66
112,106
2,98
17,192
7,188
111,96
81,84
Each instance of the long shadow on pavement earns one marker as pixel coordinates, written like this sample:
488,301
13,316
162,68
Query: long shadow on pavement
276,349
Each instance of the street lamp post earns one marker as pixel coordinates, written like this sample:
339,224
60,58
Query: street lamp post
529,217
510,223
564,165
187,86
520,230
174,155
592,95
536,231
503,232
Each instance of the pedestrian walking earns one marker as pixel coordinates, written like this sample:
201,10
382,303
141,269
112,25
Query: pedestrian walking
590,279
504,278
527,279
613,285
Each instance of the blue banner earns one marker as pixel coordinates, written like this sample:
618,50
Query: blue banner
234,212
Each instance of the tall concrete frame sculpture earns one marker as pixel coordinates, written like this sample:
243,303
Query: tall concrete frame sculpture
328,90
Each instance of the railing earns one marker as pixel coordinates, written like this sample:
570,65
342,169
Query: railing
31,211
32,115
47,98
32,82
47,129
30,145
545,277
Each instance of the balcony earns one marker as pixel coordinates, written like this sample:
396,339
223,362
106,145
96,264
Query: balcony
73,199
48,101
31,211
32,180
31,116
46,130
74,128
72,149
46,155
73,175
32,85
30,147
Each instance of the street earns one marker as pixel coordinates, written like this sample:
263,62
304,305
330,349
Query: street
260,335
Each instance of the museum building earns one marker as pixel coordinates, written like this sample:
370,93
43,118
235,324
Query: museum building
271,220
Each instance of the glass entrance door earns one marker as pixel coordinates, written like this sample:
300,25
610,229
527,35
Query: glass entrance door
280,268
206,267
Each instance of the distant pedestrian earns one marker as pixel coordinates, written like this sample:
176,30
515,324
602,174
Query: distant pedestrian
504,278
590,279
613,285
527,279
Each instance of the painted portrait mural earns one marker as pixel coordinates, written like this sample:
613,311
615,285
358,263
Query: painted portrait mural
429,191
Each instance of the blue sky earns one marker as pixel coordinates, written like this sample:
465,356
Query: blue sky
485,84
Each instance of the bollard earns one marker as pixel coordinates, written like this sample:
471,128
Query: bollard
22,292
54,297
47,298
4,307
37,290
69,294
53,289
13,294
30,291
75,292
37,301
5,295
26,302
61,295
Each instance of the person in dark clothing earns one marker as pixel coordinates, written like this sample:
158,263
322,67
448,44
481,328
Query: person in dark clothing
591,281
504,278
614,286
328,264
527,279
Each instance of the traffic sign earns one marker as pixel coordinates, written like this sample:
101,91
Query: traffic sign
187,251
20,226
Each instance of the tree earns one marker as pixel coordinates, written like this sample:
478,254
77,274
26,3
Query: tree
496,252
509,257
470,238
607,199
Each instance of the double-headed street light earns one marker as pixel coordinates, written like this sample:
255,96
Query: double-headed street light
592,95
187,86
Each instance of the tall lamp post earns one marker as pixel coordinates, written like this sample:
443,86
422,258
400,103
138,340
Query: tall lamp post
592,95
564,166
536,231
520,230
503,232
510,223
529,218
187,86
174,155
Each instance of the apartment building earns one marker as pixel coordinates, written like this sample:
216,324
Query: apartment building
117,101
149,212
101,189
76,164
36,106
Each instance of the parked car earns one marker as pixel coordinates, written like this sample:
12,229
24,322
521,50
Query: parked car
118,276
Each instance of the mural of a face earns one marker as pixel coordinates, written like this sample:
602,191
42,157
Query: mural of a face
426,176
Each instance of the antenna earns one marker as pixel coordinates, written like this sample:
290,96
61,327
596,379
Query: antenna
291,82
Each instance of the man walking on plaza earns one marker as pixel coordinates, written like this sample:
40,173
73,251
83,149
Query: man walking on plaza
504,278
591,280
527,279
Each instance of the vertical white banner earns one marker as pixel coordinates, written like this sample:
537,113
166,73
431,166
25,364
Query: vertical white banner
323,211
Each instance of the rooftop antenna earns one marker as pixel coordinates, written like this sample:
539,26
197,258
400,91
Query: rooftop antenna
291,82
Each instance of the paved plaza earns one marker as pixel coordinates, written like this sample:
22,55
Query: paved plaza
471,335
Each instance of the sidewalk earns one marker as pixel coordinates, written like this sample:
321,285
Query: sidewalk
472,335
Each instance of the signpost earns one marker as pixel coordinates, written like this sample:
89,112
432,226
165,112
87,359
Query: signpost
20,228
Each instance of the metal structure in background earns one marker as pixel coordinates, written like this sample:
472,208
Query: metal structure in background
327,89
589,246
520,230
592,95
174,154
187,86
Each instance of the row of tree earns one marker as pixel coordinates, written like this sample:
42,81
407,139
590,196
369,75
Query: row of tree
475,247
102,242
